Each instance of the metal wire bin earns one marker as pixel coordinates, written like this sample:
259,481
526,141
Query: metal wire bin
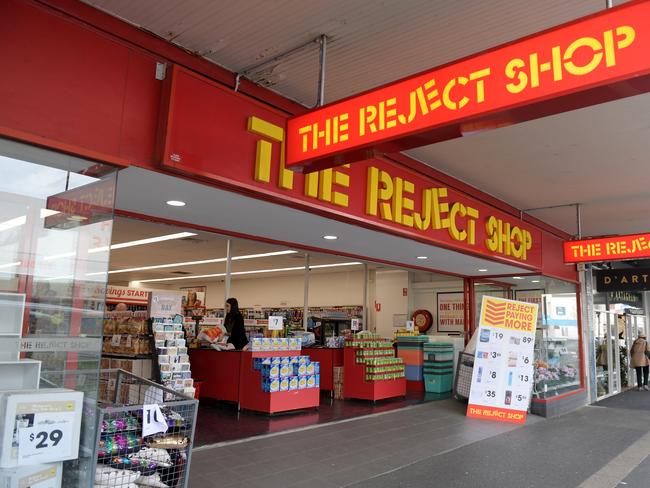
463,380
126,458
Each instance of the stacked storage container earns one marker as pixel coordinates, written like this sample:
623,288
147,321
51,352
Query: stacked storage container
438,367
410,349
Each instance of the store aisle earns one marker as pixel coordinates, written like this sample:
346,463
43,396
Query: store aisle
219,422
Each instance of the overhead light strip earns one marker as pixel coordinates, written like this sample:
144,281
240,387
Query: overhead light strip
257,271
140,242
203,261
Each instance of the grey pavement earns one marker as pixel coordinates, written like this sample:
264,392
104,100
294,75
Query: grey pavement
434,444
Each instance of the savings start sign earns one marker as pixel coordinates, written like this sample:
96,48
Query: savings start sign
503,372
513,83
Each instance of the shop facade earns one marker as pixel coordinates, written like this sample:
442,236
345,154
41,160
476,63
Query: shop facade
130,122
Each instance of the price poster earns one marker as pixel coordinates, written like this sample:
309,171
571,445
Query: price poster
276,322
503,366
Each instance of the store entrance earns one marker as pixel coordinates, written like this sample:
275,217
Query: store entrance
321,298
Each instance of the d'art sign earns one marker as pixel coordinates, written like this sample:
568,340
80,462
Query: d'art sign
582,63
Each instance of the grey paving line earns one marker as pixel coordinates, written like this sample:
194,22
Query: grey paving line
615,471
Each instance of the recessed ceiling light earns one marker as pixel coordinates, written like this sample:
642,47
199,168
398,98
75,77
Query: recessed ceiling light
423,257
517,278
175,203
330,238
534,281
482,270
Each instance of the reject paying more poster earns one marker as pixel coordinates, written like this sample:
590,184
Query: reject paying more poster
503,364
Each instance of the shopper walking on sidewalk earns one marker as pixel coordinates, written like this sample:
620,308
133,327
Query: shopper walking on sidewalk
639,352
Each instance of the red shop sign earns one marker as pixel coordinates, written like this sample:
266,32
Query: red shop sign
582,63
607,249
225,137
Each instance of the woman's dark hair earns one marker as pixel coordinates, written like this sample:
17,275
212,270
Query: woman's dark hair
234,305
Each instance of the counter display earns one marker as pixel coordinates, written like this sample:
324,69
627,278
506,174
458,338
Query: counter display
218,372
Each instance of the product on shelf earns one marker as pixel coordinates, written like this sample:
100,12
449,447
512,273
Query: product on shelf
173,360
287,373
268,344
378,357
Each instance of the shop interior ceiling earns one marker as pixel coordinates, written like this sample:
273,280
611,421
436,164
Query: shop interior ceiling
216,209
594,156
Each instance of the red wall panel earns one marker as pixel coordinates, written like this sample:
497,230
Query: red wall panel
68,83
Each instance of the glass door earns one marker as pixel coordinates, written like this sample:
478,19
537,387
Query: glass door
607,344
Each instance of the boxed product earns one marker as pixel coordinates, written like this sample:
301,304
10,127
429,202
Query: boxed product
295,344
270,370
300,370
284,384
256,344
270,385
267,344
34,476
302,382
313,381
25,414
286,370
313,368
293,383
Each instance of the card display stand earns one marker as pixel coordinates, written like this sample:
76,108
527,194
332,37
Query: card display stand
252,397
357,376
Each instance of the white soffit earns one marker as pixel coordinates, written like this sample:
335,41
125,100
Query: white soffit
227,211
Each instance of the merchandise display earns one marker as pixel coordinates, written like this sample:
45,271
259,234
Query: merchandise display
34,476
173,359
411,350
372,372
126,333
287,373
438,367
127,457
278,381
264,344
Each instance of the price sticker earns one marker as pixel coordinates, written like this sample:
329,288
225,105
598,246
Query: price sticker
46,441
115,340
410,326
153,420
276,322
354,324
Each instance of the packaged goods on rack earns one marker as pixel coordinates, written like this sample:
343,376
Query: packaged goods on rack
173,359
287,373
268,344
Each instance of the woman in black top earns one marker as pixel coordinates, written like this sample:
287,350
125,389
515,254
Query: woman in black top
234,323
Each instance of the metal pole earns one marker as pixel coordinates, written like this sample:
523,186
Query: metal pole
365,297
321,73
609,3
579,219
305,302
226,288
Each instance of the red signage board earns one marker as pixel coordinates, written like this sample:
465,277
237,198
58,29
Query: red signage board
225,137
84,205
617,248
583,63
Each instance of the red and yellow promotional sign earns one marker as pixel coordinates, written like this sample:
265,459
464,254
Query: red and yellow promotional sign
503,364
617,248
482,91
226,137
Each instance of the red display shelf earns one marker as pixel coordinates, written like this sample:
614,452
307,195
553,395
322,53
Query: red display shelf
219,373
329,358
356,386
251,396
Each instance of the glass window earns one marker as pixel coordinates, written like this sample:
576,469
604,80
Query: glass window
56,216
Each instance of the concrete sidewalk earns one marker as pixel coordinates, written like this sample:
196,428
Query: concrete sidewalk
434,444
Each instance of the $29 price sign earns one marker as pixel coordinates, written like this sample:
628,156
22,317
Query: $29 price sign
45,442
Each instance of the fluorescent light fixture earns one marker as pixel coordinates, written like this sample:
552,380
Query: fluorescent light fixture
336,265
9,265
10,224
122,245
203,261
175,203
330,238
534,281
482,270
423,257
517,278
257,271
66,277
